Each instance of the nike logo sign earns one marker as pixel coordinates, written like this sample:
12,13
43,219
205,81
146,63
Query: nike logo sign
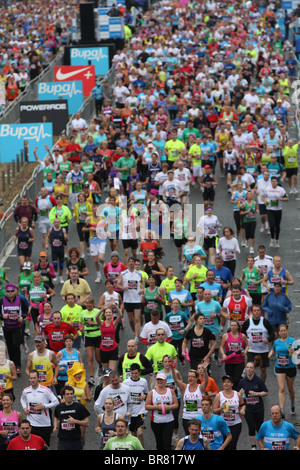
66,76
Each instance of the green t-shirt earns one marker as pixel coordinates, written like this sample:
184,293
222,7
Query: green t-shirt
252,276
157,351
201,275
71,315
125,163
151,301
290,156
173,148
91,331
127,443
195,152
251,216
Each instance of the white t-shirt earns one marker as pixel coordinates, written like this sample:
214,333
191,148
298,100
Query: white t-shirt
31,396
148,333
227,248
137,388
271,195
183,176
121,396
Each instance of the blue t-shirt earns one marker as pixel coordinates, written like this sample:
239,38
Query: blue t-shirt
215,429
177,321
215,288
222,276
276,437
188,252
283,359
207,308
112,217
183,296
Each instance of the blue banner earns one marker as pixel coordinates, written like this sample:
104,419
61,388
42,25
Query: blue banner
97,56
14,136
71,91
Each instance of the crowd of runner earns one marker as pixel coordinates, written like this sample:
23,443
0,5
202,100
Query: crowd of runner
200,96
27,49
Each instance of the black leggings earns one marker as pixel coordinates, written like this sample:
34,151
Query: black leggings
13,339
274,218
235,371
163,433
231,265
235,432
254,421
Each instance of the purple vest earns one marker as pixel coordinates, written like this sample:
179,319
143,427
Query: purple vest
14,310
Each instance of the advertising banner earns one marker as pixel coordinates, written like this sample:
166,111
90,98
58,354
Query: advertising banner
70,91
97,56
85,73
47,111
13,138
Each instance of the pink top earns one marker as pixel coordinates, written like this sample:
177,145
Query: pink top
108,337
9,423
235,345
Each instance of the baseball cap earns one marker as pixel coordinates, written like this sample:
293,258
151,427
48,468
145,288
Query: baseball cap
43,253
26,265
107,372
227,377
40,338
161,375
10,286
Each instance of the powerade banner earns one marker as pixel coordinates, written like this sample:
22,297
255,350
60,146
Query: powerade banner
46,111
70,91
13,137
97,56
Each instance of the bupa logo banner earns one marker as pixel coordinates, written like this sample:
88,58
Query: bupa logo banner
97,56
13,137
71,91
85,73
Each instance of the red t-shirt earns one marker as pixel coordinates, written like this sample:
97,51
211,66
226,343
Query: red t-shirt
74,150
34,443
148,246
56,335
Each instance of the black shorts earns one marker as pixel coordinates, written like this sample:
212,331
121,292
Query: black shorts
256,298
232,169
92,341
180,242
133,244
291,172
130,306
209,242
26,253
107,356
264,357
262,209
58,255
291,372
137,422
209,194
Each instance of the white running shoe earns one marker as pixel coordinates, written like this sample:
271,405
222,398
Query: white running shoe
98,279
272,242
277,244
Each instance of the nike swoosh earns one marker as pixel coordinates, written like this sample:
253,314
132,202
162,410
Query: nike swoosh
65,76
